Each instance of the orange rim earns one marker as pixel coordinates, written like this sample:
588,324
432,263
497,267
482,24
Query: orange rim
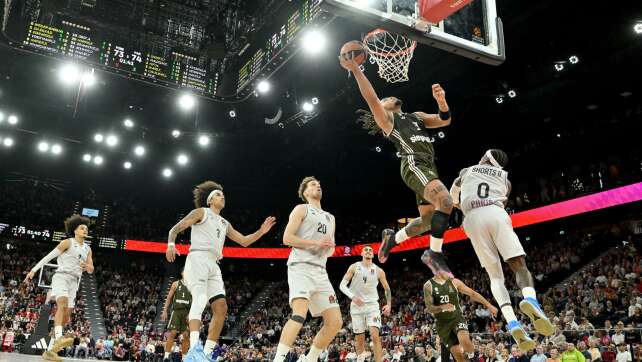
380,31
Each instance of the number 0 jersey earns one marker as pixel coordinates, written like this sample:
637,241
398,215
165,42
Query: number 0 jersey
316,225
483,185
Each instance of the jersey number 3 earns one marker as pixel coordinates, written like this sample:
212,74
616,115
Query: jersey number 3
323,228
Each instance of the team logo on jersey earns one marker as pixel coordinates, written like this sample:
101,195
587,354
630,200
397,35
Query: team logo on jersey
450,289
327,217
332,299
371,271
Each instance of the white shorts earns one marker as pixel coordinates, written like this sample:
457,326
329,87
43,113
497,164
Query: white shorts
202,272
312,283
365,317
65,285
491,232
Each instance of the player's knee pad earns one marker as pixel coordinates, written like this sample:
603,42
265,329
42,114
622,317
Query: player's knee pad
439,224
297,318
199,301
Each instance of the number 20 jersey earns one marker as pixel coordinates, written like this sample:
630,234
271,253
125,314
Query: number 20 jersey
483,185
316,225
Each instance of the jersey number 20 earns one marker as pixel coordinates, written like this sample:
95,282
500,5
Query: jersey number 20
323,228
443,299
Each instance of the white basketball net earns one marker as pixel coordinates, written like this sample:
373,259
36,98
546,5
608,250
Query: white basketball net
392,53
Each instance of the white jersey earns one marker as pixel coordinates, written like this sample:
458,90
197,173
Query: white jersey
316,225
209,234
483,185
365,281
70,259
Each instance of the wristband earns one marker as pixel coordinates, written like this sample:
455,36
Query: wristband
444,116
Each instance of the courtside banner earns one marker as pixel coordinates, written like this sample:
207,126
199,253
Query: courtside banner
601,200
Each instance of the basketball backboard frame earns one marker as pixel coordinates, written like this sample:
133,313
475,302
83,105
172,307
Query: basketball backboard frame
493,53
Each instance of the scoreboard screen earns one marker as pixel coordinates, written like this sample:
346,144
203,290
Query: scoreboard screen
67,39
277,41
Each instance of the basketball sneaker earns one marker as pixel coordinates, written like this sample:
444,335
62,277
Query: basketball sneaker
542,324
51,356
62,343
387,243
524,342
196,354
437,263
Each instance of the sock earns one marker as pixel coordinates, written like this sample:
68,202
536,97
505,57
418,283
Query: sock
509,313
529,292
436,243
193,338
209,347
401,235
57,332
166,355
281,351
313,355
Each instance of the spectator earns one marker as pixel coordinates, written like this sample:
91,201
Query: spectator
555,357
539,355
517,355
623,355
572,355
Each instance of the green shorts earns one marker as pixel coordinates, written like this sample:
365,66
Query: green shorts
417,173
178,320
447,331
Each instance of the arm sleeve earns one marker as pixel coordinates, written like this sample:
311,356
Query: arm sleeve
344,288
49,257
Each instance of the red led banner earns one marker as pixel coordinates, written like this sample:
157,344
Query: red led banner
580,205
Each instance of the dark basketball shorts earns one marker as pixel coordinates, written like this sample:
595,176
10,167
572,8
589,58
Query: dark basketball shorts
417,173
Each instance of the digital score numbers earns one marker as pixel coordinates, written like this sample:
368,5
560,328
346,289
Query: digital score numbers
277,42
77,41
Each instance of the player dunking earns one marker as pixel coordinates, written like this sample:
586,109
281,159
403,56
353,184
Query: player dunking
73,258
480,191
202,273
310,233
441,296
180,299
418,170
363,277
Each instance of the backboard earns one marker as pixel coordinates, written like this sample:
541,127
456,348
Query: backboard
474,32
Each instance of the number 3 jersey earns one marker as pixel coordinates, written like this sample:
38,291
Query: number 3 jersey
483,185
316,225
209,233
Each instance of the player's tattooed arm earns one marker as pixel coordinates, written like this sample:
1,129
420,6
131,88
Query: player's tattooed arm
430,306
192,218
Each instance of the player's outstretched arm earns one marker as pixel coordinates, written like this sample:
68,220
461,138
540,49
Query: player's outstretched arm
247,240
59,249
437,120
192,218
464,289
386,290
170,296
294,222
381,116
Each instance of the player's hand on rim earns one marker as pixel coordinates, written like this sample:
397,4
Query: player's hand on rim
269,222
347,62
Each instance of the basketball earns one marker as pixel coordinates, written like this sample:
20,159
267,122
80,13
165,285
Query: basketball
354,49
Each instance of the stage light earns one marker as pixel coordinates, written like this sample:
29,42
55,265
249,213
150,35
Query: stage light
232,113
263,86
127,165
43,146
167,172
559,67
315,101
313,41
182,159
98,160
512,93
128,123
307,107
111,140
7,142
637,28
139,150
98,137
499,100
88,78
559,135
69,73
12,120
378,149
187,101
86,157
56,149
203,140
573,59
176,133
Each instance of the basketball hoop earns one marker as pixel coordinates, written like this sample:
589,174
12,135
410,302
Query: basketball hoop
392,53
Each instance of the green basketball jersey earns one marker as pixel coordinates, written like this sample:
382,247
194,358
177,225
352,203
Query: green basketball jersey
182,297
410,137
446,294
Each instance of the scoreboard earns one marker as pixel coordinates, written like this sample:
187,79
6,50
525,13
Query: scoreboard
75,41
276,42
